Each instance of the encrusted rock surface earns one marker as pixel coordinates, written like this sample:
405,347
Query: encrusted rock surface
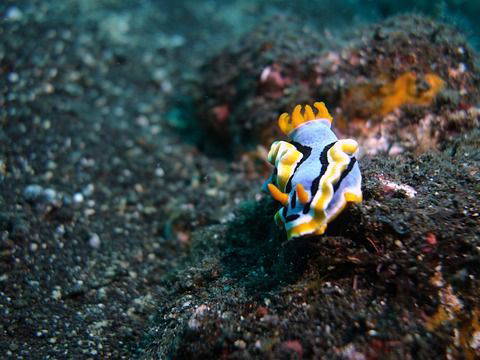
278,65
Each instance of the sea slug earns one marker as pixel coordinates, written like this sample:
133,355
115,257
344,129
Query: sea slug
315,175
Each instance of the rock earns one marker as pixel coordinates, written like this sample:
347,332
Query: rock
94,241
33,192
384,89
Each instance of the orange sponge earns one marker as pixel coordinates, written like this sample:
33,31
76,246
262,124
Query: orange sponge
405,90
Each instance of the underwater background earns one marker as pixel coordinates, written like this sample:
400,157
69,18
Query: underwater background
133,148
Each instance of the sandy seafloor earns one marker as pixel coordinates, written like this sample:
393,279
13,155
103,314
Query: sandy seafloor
126,233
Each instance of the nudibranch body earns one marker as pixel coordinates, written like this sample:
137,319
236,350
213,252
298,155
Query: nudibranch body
315,176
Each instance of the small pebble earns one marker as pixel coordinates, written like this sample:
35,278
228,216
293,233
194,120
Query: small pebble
201,310
50,195
13,77
240,344
32,192
88,190
13,13
56,294
193,324
78,198
94,241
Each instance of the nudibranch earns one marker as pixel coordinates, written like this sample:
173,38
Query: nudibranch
315,175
